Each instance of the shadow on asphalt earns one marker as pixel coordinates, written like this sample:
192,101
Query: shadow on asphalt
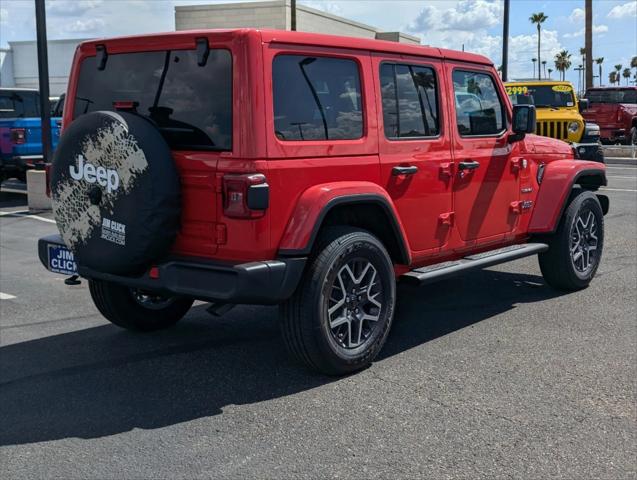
103,380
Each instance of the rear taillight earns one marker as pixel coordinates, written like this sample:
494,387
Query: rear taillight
619,115
245,196
18,136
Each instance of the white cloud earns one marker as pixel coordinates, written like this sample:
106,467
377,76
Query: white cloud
71,7
90,25
577,15
626,10
469,25
597,30
329,7
467,15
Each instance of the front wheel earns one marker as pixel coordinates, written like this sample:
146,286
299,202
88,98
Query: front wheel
136,309
339,317
576,248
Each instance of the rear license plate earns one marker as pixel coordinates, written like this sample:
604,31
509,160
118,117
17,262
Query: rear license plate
61,260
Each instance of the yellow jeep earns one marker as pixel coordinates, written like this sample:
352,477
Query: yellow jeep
558,114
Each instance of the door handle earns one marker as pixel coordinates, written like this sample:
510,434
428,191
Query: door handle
410,170
469,165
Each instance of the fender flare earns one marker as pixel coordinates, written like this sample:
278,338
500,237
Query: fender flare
316,202
558,180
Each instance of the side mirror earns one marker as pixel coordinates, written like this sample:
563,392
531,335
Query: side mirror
524,118
583,104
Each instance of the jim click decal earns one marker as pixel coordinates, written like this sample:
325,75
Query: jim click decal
113,231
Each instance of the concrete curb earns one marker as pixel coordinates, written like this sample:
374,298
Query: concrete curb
36,191
620,161
616,151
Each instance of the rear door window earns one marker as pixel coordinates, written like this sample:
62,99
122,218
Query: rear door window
316,98
190,104
612,96
410,106
479,110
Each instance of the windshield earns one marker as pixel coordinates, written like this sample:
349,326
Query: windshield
542,96
628,95
190,104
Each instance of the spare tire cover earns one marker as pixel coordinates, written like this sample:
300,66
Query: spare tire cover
115,192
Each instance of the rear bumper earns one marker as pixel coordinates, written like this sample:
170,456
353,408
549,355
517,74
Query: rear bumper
261,283
20,163
614,134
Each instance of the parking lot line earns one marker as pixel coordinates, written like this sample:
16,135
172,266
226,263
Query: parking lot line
26,214
618,189
621,176
6,296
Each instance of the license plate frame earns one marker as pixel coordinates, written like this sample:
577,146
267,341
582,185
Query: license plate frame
61,260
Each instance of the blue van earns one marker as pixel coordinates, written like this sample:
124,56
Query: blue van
21,132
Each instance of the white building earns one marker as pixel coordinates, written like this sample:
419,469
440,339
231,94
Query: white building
277,14
19,64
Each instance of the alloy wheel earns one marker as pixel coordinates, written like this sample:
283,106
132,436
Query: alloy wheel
354,305
583,244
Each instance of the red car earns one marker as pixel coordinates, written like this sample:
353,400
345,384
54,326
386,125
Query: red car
311,171
614,109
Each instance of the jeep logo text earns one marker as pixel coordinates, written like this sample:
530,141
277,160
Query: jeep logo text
105,177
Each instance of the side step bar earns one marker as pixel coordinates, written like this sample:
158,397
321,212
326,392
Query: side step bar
433,273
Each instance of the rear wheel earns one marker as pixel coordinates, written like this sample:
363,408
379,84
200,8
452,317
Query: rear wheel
633,137
575,250
136,309
339,317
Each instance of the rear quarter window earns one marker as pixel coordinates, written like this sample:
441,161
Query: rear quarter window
191,104
316,98
16,104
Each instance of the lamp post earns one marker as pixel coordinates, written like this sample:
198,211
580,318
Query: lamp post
43,76
505,42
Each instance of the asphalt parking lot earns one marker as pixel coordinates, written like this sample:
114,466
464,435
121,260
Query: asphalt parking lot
493,374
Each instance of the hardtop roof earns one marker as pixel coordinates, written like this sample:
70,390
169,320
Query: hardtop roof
540,82
298,38
625,87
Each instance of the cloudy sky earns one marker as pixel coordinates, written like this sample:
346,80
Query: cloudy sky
476,24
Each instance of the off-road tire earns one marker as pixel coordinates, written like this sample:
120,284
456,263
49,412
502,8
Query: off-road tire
632,137
305,320
118,305
557,264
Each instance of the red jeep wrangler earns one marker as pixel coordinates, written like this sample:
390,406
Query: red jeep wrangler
311,171
614,109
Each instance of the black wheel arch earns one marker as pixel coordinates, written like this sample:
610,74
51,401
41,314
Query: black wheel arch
367,211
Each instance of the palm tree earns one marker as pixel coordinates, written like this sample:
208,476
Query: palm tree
550,71
544,67
633,64
612,77
599,62
538,19
563,63
618,69
626,74
534,60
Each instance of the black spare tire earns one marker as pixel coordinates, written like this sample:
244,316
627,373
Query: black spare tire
115,192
